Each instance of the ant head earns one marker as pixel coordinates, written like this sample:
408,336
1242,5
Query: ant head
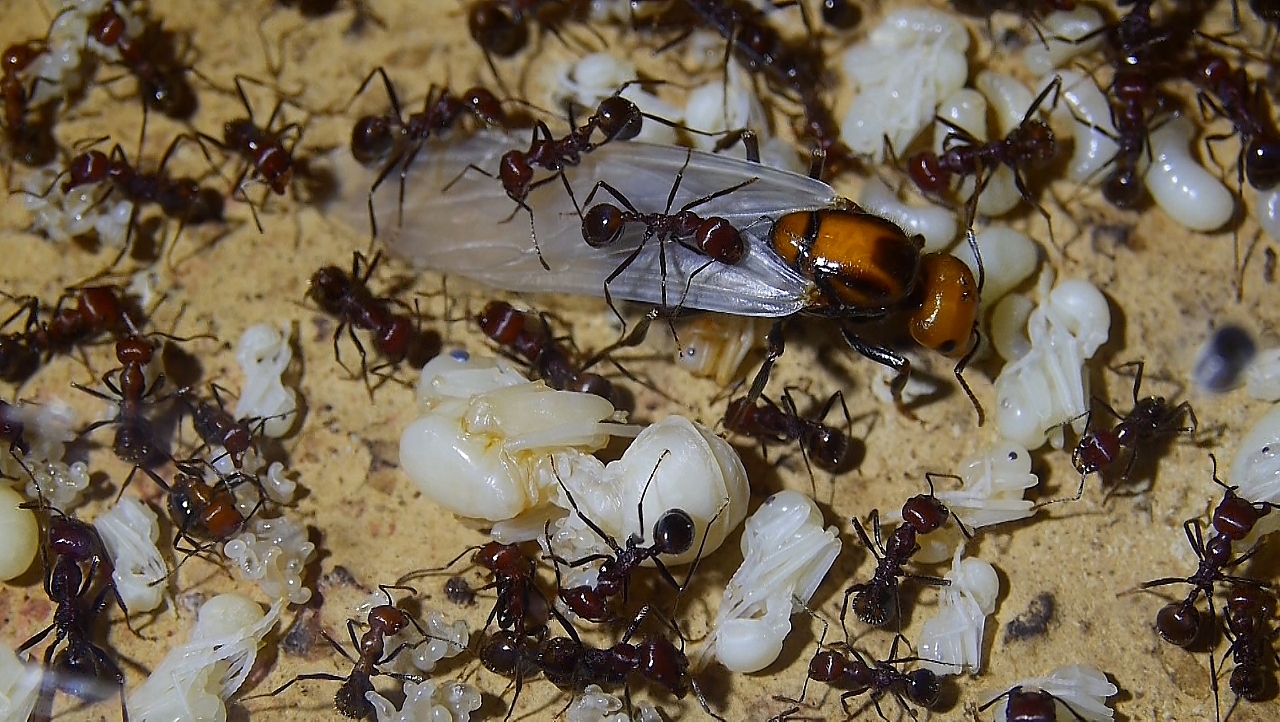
717,238
134,350
495,30
371,139
1262,163
1210,70
1178,623
673,532
602,225
947,297
1124,189
239,132
828,666
1096,450
619,118
923,687
928,173
516,174
328,285
830,447
170,94
485,106
388,619
18,56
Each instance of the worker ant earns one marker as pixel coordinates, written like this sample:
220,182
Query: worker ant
151,58
673,534
1030,143
96,310
1031,705
1248,110
375,138
519,333
205,514
385,620
218,427
856,675
1149,419
1246,613
876,602
313,9
713,237
73,663
135,438
513,577
571,664
827,445
31,140
347,297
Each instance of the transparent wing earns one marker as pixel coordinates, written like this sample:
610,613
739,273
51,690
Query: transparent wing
470,230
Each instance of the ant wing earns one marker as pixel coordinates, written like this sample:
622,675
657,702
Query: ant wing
474,229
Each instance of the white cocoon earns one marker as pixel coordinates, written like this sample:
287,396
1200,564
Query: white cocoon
951,641
129,530
21,535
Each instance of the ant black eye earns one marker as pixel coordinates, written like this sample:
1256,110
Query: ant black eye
673,532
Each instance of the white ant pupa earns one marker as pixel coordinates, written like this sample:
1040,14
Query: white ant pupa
1081,686
786,554
951,641
129,530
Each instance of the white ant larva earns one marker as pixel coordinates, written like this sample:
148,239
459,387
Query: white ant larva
1191,195
264,354
1262,378
1061,30
273,553
195,679
1093,133
935,223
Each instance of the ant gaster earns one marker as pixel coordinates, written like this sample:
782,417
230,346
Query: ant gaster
1249,112
1246,613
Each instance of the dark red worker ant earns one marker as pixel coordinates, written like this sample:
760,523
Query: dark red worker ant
855,675
135,440
673,534
826,445
347,297
95,310
501,27
513,577
377,138
1245,105
206,514
31,140
1247,611
74,664
162,81
1135,101
385,620
218,427
531,339
1029,144
266,158
1151,418
616,118
713,237
1030,705
876,602
182,199
571,664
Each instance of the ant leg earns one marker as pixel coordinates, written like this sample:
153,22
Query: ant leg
895,361
325,676
635,338
470,166
35,639
617,194
775,345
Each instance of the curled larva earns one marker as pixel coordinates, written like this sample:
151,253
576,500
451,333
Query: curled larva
935,223
1191,195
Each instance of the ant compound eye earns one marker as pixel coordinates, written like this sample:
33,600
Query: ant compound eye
602,225
1178,623
673,532
619,118
371,139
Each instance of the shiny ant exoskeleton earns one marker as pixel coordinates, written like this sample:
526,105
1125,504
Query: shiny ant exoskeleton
501,27
1246,613
162,81
218,427
135,439
346,296
1030,143
96,310
1030,705
532,341
375,138
826,445
73,663
31,141
205,513
1149,419
854,675
876,602
673,534
713,237
616,118
385,620
571,664
1246,106
513,578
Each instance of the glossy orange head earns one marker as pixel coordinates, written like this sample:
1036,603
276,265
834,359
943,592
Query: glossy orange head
948,305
